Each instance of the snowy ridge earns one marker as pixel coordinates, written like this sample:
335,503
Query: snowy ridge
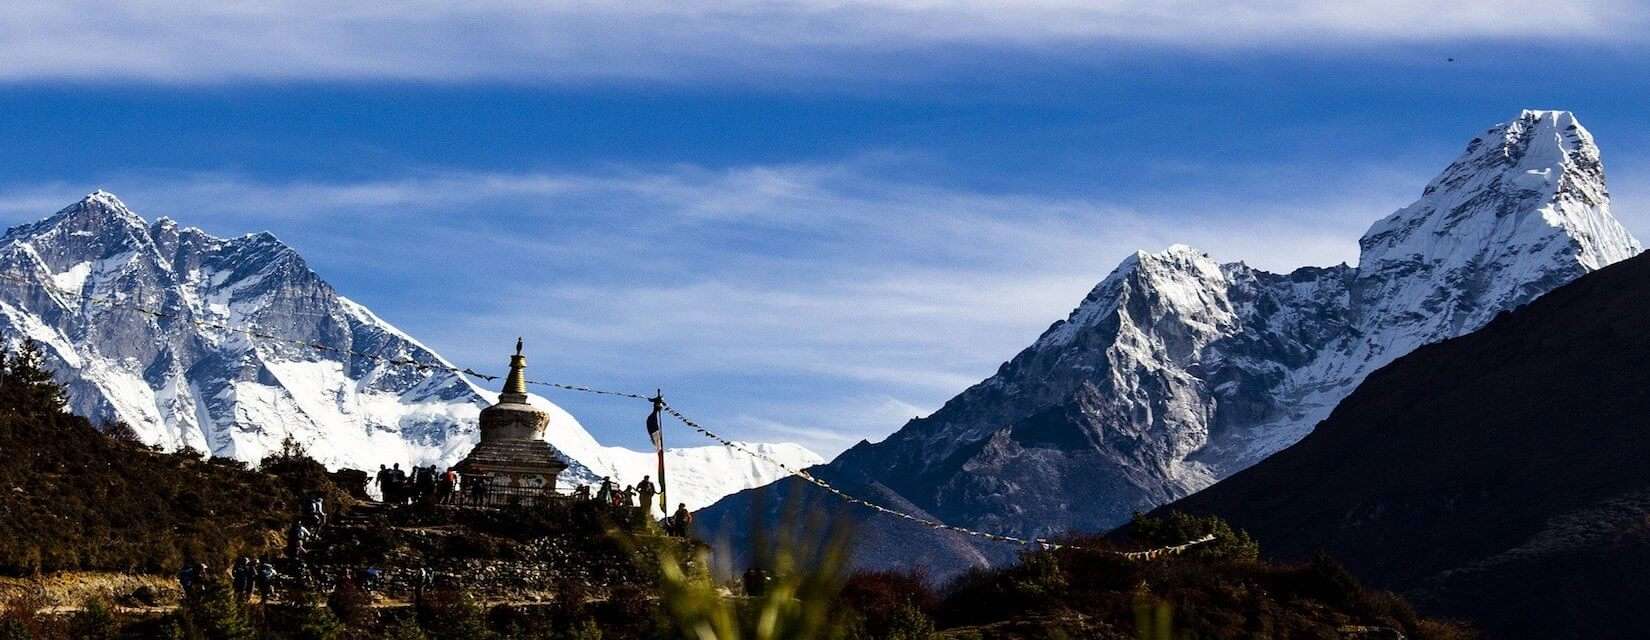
179,384
1177,370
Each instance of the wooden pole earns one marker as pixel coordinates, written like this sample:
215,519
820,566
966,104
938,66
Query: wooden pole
658,410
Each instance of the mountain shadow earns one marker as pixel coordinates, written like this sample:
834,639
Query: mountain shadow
1500,476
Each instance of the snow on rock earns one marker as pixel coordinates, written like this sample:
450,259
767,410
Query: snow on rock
1176,370
178,383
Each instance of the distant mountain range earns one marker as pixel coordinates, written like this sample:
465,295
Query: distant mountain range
1177,370
1501,476
179,383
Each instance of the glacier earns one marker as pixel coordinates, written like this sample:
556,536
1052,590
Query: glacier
179,381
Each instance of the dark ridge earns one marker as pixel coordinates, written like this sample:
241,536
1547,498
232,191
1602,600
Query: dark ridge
1502,476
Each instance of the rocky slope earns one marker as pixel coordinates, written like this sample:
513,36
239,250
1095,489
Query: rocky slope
1497,476
1177,370
179,383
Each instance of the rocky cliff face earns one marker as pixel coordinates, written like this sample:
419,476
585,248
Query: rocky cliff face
179,383
1176,370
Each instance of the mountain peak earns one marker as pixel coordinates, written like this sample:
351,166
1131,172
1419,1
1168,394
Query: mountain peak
96,211
1535,151
104,202
1531,185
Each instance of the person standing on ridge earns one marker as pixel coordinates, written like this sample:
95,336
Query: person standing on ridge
398,480
681,520
604,493
645,490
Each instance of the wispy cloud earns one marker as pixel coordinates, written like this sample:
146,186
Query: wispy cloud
819,300
511,40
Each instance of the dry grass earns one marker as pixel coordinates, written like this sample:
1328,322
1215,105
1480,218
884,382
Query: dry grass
66,591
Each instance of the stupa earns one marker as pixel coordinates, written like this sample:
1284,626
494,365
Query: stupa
512,464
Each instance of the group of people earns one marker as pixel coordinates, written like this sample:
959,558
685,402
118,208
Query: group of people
253,574
425,485
610,494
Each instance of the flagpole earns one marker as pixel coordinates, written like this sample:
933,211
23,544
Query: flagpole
659,445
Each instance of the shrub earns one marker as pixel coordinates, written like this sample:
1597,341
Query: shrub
95,621
21,618
878,594
215,614
1177,528
351,605
447,614
909,623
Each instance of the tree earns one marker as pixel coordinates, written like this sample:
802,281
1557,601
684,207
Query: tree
122,433
216,614
26,385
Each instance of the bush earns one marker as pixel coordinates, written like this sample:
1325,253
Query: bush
909,623
1177,528
404,629
452,615
877,594
95,621
352,605
214,614
1214,590
21,618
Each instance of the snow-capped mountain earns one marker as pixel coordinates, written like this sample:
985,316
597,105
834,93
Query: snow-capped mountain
178,383
1177,370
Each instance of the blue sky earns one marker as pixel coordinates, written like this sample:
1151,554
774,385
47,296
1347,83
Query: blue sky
805,221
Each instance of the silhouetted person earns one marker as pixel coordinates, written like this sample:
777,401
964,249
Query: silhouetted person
444,489
425,484
645,490
297,539
398,480
681,520
383,480
604,493
264,575
240,577
426,580
583,492
315,512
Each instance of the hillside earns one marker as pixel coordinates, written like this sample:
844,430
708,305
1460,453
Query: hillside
1499,476
76,498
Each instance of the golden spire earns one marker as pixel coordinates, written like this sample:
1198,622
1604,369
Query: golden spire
515,386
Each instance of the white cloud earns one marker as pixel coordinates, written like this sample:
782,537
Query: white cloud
516,40
859,301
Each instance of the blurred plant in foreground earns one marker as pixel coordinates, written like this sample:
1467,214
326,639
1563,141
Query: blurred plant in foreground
801,570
